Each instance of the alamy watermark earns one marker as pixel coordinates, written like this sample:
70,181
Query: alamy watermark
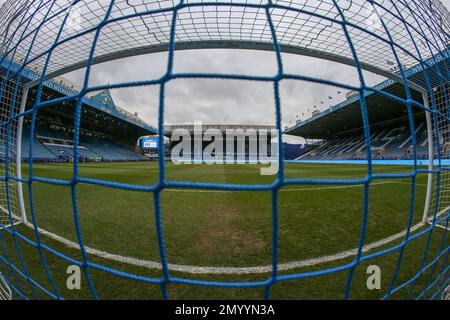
374,280
74,20
228,146
73,281
373,20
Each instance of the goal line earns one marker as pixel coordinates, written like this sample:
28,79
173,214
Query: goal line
226,270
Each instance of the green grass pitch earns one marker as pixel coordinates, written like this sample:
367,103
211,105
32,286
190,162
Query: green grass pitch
208,228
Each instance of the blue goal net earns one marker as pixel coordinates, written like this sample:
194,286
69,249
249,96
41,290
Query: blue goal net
405,41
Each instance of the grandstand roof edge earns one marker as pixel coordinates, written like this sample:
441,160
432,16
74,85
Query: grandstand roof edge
408,73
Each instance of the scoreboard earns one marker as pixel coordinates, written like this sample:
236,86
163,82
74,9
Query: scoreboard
149,143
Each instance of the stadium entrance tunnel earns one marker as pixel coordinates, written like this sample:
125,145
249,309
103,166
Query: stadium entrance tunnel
70,194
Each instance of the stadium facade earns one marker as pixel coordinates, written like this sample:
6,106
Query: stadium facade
219,142
107,132
110,133
340,129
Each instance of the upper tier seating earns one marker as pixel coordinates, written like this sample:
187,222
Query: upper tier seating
386,144
52,146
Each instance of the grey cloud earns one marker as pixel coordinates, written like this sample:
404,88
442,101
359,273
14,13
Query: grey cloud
222,101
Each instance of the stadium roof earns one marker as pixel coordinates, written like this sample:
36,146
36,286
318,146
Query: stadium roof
30,30
93,102
346,116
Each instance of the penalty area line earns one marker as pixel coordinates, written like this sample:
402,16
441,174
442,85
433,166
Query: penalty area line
225,270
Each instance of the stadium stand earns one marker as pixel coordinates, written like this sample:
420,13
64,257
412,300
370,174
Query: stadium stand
40,152
55,146
387,144
247,144
295,151
107,131
340,128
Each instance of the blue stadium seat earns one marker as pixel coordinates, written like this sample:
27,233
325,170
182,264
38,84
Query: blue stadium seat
392,143
53,145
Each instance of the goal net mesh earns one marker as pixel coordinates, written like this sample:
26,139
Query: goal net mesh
41,39
10,93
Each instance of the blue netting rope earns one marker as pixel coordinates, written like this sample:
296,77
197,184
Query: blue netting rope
437,279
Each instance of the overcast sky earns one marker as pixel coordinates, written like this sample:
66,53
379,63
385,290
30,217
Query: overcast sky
223,101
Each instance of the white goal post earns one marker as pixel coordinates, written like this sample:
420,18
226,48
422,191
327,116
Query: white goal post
10,159
437,204
5,289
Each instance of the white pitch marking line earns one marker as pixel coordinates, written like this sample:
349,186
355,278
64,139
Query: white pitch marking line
225,270
231,270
